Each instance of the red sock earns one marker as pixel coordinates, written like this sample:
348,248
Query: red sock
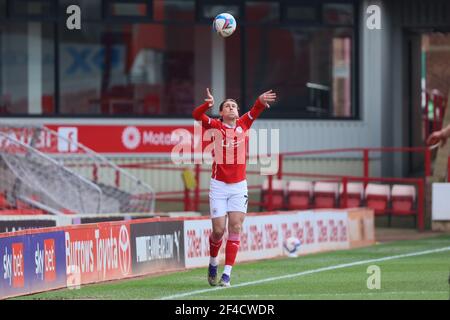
214,246
232,248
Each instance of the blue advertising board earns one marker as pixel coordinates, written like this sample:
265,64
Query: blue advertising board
31,263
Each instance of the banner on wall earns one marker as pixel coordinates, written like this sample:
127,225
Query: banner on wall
262,237
36,261
11,225
157,246
122,139
32,263
98,252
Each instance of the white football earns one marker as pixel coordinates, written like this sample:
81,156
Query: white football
224,24
291,246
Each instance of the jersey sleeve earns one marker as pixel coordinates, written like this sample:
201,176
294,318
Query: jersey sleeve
199,115
253,114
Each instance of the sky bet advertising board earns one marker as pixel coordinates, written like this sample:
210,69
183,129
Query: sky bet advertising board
32,263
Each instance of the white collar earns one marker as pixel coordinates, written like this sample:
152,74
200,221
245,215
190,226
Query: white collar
228,126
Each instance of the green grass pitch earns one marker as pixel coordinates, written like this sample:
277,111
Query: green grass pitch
423,276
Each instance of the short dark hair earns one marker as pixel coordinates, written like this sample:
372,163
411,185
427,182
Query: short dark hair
223,102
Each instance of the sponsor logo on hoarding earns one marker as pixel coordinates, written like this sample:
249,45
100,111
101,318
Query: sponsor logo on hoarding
80,254
13,265
17,225
333,231
40,139
263,236
323,231
157,247
32,262
309,230
285,231
256,238
244,241
7,266
68,139
299,231
194,244
271,236
45,260
206,234
124,251
120,138
131,137
109,252
104,251
49,260
17,265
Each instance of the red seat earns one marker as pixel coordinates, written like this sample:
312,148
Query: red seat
403,198
277,194
377,197
151,104
355,192
4,202
21,212
22,205
299,195
325,194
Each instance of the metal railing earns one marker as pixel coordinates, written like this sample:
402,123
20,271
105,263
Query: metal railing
192,201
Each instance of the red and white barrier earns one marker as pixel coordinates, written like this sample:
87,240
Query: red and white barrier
262,236
56,257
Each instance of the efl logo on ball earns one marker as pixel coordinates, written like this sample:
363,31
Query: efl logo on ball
291,246
224,24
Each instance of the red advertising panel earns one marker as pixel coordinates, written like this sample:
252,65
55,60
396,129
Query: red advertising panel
104,138
98,253
122,139
17,265
49,260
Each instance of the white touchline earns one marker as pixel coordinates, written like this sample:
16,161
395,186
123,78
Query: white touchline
303,273
249,296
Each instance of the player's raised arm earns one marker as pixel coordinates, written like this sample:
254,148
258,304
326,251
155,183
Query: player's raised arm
260,104
440,136
199,112
266,97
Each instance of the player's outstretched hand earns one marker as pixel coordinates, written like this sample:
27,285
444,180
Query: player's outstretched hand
268,96
436,137
209,98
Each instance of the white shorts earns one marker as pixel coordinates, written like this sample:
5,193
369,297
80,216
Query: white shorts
226,197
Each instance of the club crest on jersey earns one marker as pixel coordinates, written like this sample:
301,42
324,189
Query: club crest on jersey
231,143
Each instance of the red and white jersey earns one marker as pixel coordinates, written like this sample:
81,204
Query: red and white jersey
230,143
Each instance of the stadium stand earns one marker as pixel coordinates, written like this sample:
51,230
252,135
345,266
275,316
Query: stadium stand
278,188
377,197
355,194
84,182
403,199
299,194
325,194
